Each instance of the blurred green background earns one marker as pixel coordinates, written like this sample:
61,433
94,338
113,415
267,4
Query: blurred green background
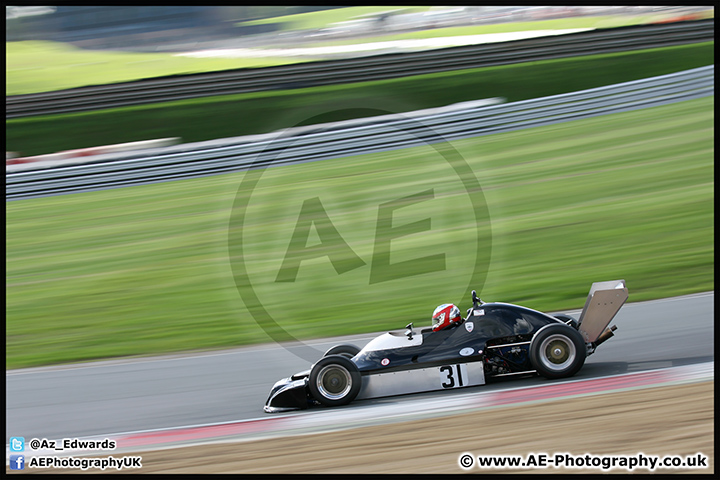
209,118
146,270
66,66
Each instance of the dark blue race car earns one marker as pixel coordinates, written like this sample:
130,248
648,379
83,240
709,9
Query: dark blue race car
495,340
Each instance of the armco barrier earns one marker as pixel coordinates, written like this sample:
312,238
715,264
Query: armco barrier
376,67
356,137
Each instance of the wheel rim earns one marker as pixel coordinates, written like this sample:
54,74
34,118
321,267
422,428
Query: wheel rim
334,382
558,352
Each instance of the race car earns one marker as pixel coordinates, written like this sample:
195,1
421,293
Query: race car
494,340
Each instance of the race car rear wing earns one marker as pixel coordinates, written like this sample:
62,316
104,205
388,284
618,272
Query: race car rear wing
603,303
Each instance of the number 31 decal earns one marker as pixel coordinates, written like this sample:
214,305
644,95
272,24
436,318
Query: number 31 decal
453,376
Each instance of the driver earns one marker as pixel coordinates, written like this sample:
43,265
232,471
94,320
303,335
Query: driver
446,315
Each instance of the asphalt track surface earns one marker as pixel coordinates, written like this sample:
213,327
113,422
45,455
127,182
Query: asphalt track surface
130,395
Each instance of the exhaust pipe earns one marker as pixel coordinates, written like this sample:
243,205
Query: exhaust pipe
604,336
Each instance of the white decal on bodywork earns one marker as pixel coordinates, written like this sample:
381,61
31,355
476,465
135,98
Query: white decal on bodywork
420,380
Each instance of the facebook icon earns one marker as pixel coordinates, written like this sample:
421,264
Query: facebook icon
17,462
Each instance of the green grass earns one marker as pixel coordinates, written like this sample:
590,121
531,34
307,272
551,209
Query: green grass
39,66
609,21
145,270
326,18
233,115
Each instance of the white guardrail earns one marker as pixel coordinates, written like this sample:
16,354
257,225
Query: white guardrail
354,137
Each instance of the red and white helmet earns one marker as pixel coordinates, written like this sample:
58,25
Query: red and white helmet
445,315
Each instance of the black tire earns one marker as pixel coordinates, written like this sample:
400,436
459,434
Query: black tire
334,380
557,351
346,350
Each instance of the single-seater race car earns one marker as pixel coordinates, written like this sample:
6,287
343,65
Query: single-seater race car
495,340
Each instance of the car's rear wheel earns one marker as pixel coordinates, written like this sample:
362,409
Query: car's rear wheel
567,320
557,351
345,349
334,380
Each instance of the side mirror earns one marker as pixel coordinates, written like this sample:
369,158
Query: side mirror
409,332
475,299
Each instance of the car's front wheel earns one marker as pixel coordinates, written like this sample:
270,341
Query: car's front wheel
334,380
345,349
557,351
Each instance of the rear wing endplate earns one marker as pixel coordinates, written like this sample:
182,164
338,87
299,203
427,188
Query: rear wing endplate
603,303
